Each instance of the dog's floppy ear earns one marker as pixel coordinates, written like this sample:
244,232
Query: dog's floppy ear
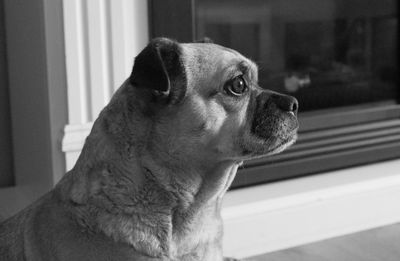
159,68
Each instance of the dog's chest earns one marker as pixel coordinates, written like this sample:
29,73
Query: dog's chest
198,238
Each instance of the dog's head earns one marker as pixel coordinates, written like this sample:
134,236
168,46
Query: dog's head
205,103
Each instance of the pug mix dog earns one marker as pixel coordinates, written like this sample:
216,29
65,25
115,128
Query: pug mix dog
150,180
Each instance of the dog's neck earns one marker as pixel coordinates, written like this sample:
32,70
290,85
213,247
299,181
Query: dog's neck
136,201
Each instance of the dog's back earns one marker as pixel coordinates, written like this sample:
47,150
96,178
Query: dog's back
11,236
19,233
48,230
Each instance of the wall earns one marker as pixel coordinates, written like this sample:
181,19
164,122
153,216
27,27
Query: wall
38,105
6,160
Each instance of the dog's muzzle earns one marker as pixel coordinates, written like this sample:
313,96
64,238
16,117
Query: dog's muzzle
275,116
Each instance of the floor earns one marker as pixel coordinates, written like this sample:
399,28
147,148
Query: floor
381,244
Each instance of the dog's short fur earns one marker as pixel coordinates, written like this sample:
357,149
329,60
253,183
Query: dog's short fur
149,182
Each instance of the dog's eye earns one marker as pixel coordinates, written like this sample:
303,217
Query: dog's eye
237,86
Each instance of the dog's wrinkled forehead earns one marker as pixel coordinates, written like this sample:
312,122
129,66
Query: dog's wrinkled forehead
207,59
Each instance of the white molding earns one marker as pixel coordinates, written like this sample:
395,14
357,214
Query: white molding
102,37
75,136
73,141
129,35
76,62
99,41
122,41
285,214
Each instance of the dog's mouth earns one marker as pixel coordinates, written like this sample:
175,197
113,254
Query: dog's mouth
270,133
282,125
280,144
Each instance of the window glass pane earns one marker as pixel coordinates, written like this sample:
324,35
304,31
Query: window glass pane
327,53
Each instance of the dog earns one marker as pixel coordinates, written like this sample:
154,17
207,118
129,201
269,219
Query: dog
150,179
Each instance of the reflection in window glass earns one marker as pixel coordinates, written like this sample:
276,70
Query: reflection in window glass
327,53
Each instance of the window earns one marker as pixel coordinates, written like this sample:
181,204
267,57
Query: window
337,57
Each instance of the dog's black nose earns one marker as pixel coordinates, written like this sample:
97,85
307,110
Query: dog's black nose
285,102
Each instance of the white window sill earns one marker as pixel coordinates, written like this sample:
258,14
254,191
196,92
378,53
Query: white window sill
284,214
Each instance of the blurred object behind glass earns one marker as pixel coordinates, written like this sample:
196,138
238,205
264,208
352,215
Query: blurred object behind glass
326,53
